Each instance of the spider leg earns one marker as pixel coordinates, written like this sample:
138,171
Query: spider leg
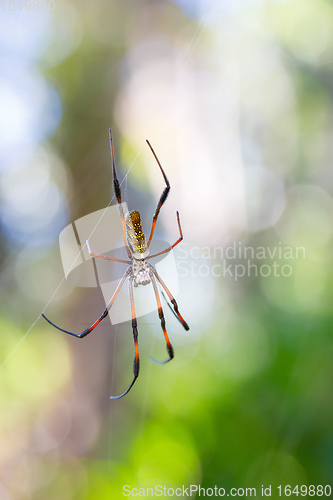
136,363
102,316
104,256
117,191
161,316
162,199
171,298
172,246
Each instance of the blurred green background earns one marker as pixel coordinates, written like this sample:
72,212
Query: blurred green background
236,98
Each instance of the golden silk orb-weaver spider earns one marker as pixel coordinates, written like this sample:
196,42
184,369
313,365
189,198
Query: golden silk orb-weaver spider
139,272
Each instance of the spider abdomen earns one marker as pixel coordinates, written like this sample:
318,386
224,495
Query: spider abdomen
141,272
135,237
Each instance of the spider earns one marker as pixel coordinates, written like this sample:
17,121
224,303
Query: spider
140,272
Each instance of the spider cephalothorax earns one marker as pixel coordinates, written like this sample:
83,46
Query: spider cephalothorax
139,272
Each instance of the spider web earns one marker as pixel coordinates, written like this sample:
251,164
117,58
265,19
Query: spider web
200,28
140,419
